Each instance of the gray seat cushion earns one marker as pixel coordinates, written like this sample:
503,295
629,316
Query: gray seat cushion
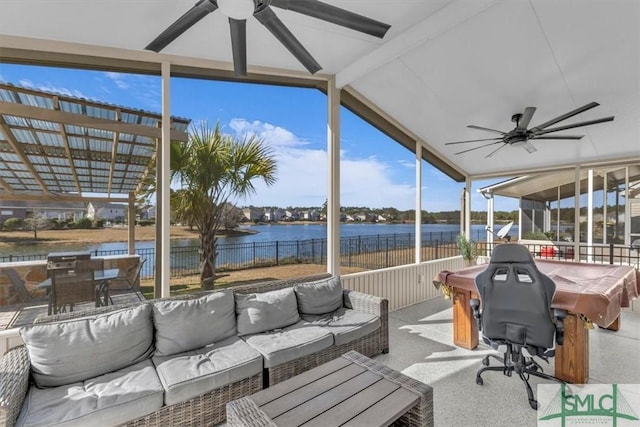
319,297
346,325
107,400
190,374
174,322
76,350
284,345
265,311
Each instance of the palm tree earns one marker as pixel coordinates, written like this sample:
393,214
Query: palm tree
212,169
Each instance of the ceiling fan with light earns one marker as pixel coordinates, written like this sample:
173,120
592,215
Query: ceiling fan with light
520,136
239,11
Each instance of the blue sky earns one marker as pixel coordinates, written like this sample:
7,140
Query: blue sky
375,170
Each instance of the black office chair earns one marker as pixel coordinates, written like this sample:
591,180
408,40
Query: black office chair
516,313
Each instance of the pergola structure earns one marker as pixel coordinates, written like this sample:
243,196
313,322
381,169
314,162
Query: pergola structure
443,65
55,147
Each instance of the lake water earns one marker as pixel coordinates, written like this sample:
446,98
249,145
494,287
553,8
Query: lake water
269,233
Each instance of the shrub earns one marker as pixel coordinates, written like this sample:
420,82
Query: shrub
13,224
145,222
535,235
83,223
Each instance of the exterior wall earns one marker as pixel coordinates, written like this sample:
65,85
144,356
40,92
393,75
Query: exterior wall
404,285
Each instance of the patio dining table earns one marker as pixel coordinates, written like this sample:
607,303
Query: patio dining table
101,281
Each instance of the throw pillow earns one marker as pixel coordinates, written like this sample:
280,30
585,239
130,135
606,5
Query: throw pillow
76,350
183,325
266,311
320,297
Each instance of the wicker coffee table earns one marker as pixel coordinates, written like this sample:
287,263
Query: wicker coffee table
350,390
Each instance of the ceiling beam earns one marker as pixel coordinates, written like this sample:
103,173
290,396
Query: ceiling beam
28,111
447,17
67,148
114,152
4,184
15,145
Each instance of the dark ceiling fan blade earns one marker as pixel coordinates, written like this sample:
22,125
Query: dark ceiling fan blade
495,151
526,118
193,15
335,15
282,33
478,147
487,129
473,140
566,116
575,125
573,137
239,45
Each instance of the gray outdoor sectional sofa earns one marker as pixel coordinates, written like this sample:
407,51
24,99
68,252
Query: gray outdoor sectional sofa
178,361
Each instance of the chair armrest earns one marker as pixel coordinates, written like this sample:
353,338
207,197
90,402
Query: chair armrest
373,305
559,316
14,381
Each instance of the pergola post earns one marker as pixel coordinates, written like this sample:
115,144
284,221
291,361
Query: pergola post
490,213
589,214
132,224
418,219
333,173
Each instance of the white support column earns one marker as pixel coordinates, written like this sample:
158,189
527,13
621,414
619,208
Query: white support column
627,209
604,208
491,230
558,217
418,220
132,224
589,214
163,258
333,172
519,218
467,208
576,213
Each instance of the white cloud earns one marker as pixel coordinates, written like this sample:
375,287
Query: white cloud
407,164
302,174
145,89
47,87
118,79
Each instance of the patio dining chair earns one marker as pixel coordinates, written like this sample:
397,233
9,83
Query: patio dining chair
132,277
19,284
71,287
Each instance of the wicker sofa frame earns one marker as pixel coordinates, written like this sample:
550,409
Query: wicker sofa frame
208,409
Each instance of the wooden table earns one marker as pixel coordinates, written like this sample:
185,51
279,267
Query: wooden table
350,390
591,293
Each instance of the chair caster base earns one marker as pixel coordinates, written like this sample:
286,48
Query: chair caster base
479,381
533,404
485,361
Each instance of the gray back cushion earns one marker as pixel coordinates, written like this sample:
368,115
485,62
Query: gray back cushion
320,297
265,311
183,325
76,350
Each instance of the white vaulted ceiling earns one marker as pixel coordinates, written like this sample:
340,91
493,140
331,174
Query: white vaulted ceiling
443,65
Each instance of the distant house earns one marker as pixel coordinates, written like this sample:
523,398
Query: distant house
360,217
109,211
253,214
147,212
49,209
